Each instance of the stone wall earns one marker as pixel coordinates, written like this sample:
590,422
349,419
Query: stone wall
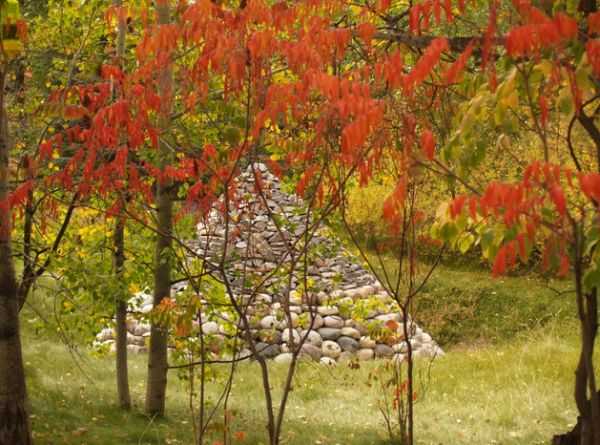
337,309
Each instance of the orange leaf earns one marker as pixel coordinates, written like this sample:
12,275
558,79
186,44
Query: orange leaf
240,436
428,143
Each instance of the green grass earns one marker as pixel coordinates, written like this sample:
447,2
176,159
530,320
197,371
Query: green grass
506,378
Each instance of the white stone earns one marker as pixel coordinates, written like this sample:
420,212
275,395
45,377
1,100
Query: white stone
394,316
312,337
350,332
334,321
293,318
331,349
270,322
327,310
367,342
365,354
106,334
401,347
398,358
317,322
328,361
285,336
286,357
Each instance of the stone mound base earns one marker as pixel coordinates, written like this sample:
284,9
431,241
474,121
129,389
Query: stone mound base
331,334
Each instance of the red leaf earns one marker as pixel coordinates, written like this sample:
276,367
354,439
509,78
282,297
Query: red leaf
428,143
564,267
543,110
366,31
500,263
558,196
594,23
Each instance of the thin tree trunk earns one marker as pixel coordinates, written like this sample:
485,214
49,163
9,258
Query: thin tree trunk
157,356
14,418
121,317
119,265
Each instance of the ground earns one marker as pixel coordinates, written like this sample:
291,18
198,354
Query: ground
506,378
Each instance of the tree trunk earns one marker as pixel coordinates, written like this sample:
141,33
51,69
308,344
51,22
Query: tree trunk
119,264
14,418
121,318
157,356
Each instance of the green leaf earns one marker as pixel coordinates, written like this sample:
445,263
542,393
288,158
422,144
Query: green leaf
565,102
448,231
591,278
466,242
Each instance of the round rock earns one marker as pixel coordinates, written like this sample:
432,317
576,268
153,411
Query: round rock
267,351
270,322
348,344
331,349
312,337
327,361
350,332
286,357
285,336
327,310
330,333
317,322
383,351
367,342
333,321
365,354
312,351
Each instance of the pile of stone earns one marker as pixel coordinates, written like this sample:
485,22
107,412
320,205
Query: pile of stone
336,309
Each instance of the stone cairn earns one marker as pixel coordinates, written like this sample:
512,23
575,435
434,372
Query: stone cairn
336,306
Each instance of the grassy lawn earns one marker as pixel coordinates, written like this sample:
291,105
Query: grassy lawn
506,379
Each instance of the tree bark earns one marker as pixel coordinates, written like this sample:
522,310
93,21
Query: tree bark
14,418
121,318
157,355
119,265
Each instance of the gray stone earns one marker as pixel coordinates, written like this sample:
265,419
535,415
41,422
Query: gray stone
314,352
266,350
383,351
330,333
348,344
